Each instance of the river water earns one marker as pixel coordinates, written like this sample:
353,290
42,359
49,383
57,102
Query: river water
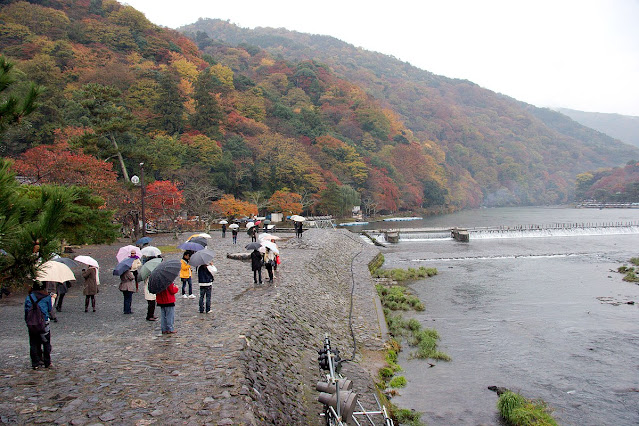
547,317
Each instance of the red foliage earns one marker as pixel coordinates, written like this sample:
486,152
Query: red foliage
163,199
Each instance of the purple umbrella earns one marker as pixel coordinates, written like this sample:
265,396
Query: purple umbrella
191,246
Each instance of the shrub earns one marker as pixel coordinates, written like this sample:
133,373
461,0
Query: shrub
634,261
519,411
398,382
406,417
386,373
623,269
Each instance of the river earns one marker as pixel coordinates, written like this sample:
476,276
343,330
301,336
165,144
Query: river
547,317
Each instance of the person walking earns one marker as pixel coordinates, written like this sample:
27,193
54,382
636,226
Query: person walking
224,230
62,289
205,279
127,287
269,260
137,264
91,287
166,301
39,342
234,234
256,266
185,275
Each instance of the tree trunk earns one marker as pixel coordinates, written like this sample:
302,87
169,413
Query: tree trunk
117,149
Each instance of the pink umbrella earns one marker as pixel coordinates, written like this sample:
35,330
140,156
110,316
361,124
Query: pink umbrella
125,252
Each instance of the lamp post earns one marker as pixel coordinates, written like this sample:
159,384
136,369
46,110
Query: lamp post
143,196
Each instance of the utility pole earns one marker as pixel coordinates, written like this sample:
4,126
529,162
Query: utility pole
143,196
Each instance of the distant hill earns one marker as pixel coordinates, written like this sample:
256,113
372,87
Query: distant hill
622,127
513,152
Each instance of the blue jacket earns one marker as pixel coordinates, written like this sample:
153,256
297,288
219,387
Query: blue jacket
44,301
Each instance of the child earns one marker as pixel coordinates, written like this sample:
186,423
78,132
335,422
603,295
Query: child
166,301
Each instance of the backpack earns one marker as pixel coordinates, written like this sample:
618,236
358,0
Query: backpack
35,317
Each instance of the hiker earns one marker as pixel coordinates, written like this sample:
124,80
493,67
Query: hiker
39,341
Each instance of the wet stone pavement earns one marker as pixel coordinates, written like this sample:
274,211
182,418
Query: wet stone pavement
252,361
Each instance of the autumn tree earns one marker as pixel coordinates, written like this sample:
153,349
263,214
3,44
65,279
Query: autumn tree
231,208
163,201
285,201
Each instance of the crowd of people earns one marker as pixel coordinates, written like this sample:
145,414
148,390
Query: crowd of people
49,295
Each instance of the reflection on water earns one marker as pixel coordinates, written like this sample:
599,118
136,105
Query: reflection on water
546,317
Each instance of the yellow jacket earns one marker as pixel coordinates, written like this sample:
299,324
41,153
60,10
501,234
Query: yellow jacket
185,271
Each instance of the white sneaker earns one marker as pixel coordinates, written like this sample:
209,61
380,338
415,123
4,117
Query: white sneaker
184,296
191,296
210,311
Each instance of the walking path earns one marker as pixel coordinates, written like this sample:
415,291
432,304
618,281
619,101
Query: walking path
252,361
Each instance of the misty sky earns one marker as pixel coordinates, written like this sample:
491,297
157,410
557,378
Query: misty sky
579,54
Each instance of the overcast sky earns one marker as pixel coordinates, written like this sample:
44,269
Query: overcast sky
579,54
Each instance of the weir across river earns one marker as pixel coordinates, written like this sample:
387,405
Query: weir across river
466,234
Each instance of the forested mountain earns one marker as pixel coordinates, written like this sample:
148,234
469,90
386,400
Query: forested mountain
306,120
622,127
496,150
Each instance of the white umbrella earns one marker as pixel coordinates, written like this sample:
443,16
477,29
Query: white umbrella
249,225
125,252
149,251
234,226
269,237
271,246
201,235
87,260
55,271
298,218
223,222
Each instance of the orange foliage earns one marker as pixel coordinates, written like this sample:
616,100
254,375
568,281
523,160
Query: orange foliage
229,207
284,201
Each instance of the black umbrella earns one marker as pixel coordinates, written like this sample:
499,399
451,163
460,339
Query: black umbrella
69,262
163,275
253,246
199,240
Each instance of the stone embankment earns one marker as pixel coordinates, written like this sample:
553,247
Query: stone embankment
252,361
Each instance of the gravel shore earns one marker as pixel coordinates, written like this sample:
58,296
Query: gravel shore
252,361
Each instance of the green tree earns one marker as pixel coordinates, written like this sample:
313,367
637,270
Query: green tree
101,107
170,105
12,106
208,114
30,225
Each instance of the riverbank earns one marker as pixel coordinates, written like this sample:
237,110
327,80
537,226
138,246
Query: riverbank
253,361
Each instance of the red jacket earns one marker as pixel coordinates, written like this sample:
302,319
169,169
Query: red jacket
167,297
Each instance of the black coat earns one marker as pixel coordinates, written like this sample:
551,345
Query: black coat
256,260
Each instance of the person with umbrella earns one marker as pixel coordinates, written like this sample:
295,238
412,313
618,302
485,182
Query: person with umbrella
205,279
185,275
269,262
127,287
161,283
252,233
256,263
223,229
143,274
39,343
91,288
234,233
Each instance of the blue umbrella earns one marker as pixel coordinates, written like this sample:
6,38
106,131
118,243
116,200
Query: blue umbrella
163,275
123,266
143,240
191,246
